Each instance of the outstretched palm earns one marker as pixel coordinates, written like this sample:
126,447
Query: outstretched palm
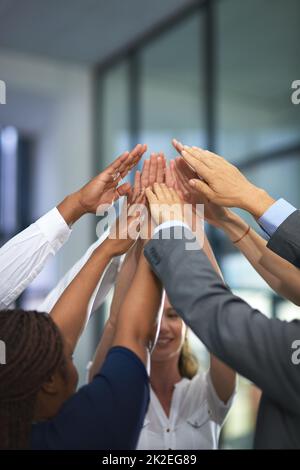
184,173
103,189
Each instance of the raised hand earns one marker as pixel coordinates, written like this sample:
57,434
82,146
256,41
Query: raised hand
223,184
153,170
213,213
124,232
147,224
165,204
103,189
177,145
183,173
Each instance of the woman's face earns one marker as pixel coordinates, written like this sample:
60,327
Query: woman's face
171,335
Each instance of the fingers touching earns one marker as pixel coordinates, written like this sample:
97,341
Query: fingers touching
119,168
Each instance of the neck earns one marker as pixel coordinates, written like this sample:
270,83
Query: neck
164,375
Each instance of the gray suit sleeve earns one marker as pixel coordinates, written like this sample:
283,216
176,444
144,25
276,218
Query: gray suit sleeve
258,348
285,242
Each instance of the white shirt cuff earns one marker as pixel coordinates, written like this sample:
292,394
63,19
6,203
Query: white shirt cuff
54,228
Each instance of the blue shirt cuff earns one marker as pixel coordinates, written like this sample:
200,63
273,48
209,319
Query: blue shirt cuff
275,216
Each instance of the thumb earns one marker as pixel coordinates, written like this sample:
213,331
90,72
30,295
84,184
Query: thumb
152,199
202,187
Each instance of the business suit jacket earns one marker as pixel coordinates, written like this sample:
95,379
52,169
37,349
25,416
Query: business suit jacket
286,240
256,347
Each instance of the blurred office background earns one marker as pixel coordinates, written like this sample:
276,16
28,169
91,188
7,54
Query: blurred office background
88,79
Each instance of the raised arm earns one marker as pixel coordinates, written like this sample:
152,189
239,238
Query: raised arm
101,291
139,317
122,285
257,347
153,170
223,377
223,184
25,255
282,277
70,312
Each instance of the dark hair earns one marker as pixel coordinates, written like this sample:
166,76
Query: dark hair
187,363
34,350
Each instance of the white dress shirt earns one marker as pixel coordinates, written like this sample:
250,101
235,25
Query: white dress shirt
25,255
195,420
104,285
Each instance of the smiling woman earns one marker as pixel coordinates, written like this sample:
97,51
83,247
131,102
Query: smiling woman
187,408
173,339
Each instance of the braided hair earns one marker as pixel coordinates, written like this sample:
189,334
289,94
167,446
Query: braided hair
34,350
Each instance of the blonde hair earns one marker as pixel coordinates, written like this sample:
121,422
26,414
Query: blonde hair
187,362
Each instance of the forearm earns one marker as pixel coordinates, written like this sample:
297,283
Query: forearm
71,209
138,319
277,272
103,347
53,296
198,229
69,313
123,283
124,280
223,378
211,256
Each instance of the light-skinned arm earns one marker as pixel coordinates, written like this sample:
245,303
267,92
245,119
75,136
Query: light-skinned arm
256,347
282,276
152,169
139,317
222,183
223,377
123,282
